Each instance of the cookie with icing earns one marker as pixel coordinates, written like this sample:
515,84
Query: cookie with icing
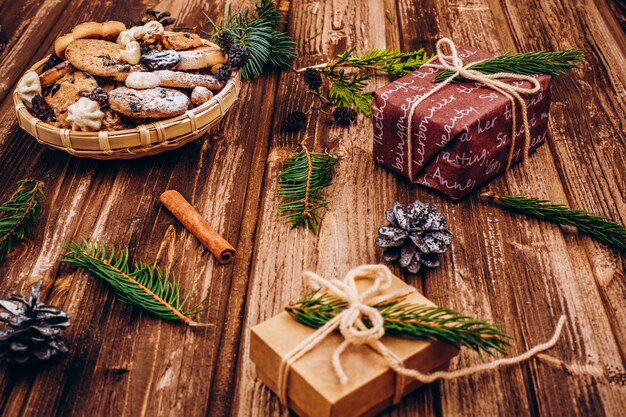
198,58
29,86
152,103
85,115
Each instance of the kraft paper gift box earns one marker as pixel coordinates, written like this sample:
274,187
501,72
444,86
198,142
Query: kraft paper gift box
313,389
460,135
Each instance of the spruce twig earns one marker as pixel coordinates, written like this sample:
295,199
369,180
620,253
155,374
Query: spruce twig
141,284
528,63
256,30
603,229
18,214
419,321
301,185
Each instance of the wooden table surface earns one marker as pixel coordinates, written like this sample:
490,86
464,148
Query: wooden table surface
518,271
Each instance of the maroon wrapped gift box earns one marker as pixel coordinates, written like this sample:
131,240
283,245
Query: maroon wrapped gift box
461,134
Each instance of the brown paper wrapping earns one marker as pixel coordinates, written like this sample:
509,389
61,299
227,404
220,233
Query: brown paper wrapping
313,388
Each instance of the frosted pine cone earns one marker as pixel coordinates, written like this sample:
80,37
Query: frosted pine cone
415,235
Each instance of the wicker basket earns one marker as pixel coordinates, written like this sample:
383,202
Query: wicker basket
144,140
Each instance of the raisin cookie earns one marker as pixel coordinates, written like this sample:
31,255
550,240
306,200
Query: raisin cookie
153,103
179,41
69,89
101,58
88,30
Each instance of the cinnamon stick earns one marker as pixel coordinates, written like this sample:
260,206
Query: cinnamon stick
195,223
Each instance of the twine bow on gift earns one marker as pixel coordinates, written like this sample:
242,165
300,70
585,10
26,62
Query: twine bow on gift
454,64
361,309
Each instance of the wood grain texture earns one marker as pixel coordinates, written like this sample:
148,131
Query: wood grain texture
521,272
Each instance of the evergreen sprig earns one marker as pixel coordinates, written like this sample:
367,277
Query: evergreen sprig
18,214
419,321
256,30
142,284
392,62
350,90
301,184
603,229
528,63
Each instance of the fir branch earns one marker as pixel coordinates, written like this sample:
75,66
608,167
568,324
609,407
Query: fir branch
395,63
349,91
419,321
603,229
528,63
141,284
18,214
256,30
301,185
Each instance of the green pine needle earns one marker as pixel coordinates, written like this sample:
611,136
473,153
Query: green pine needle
349,90
300,186
141,284
392,62
18,214
256,31
528,63
419,321
603,229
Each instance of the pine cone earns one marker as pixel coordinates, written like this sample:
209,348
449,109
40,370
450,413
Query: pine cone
225,41
238,56
415,235
312,78
223,73
34,328
344,116
294,122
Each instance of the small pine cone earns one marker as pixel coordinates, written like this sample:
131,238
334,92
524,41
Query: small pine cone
344,116
312,78
294,122
42,110
225,41
238,56
33,329
414,236
100,96
223,73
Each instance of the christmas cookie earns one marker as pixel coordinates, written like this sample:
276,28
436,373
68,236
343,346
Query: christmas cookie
179,41
69,89
154,102
99,57
178,79
89,30
198,58
55,73
158,60
85,115
200,95
29,86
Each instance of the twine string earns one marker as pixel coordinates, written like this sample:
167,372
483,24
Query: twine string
351,324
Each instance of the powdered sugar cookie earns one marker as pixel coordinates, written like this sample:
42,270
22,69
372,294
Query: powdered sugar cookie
85,115
154,102
198,58
167,78
29,86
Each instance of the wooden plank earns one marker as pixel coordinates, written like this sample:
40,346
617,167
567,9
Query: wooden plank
142,366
